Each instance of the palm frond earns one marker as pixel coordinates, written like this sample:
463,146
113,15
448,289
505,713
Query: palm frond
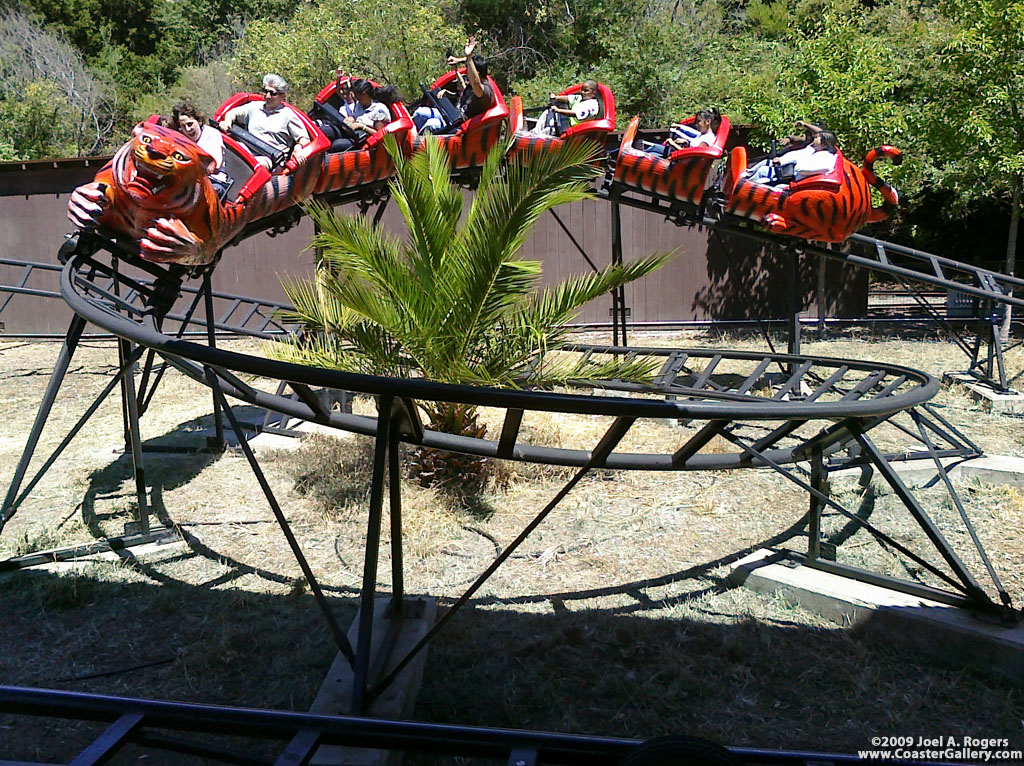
560,304
499,223
315,302
455,304
430,204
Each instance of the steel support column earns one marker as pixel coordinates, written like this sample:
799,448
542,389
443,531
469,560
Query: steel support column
60,368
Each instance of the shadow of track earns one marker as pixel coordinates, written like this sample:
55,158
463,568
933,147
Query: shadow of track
743,679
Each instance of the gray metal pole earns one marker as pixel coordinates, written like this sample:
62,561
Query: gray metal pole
60,368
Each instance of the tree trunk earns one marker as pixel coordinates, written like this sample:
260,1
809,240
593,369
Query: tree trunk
1011,249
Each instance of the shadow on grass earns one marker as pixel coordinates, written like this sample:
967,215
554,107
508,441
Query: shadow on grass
761,682
171,460
701,662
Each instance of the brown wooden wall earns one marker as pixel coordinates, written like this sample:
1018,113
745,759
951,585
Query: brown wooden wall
710,278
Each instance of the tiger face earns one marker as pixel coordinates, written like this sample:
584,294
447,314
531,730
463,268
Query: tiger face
161,167
155,190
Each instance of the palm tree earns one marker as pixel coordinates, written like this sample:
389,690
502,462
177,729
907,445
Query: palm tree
454,303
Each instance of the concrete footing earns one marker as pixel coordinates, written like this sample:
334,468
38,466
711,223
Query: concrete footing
1009,403
948,634
991,469
393,637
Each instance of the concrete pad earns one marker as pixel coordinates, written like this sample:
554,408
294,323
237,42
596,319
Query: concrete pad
1011,403
398,700
948,634
272,441
991,469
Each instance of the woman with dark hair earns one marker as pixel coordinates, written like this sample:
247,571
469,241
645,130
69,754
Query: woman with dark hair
369,112
701,133
190,122
187,119
814,159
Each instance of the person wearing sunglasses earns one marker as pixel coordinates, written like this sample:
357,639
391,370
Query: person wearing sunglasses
271,122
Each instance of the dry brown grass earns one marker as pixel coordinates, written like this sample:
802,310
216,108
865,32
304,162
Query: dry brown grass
614,618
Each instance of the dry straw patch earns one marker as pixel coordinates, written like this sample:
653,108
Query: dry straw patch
614,618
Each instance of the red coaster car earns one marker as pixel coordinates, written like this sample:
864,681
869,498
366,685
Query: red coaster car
469,141
368,160
281,162
682,176
595,129
826,208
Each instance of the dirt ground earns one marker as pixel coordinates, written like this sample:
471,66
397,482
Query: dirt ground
614,618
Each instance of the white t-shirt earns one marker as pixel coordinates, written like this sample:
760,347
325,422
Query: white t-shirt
211,142
372,114
704,139
279,128
583,108
809,162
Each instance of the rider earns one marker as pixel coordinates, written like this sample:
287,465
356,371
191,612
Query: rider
581,106
190,122
271,122
814,159
701,133
369,113
474,97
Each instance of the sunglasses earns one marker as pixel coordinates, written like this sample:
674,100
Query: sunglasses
270,91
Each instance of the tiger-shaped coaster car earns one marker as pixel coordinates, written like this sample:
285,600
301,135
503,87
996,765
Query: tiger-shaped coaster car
155,190
823,208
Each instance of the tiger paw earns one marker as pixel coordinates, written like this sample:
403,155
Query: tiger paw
87,205
168,240
775,222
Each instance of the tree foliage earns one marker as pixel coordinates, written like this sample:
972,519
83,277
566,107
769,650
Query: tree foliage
402,42
51,103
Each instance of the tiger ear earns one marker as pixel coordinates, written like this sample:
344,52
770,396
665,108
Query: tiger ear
138,128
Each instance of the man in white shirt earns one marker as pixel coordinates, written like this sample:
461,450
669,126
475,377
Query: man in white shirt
271,122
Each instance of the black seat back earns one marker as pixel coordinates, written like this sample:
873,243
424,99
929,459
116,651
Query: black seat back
450,113
238,172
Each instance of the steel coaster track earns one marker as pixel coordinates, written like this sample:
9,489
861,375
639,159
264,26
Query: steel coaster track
992,290
238,314
144,723
717,392
879,255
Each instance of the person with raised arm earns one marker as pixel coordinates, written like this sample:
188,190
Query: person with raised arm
474,95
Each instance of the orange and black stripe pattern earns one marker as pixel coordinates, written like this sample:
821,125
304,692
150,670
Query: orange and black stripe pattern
819,212
682,180
469,149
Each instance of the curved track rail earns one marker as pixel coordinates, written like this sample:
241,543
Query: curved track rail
769,410
788,413
705,385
